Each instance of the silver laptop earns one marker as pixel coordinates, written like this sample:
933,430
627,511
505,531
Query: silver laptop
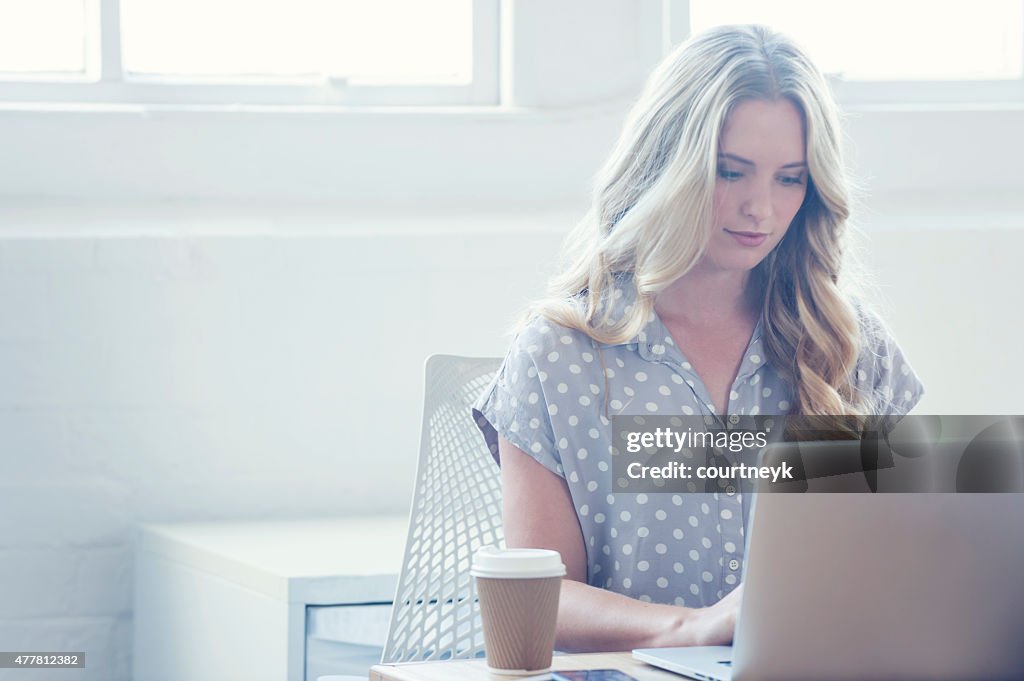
893,586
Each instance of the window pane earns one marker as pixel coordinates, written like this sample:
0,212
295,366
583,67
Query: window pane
393,41
42,36
887,40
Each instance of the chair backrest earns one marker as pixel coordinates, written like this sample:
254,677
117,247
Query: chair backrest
456,510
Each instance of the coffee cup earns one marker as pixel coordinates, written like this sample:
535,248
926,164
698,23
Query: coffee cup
518,590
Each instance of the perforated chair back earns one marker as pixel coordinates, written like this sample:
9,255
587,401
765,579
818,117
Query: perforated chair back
456,510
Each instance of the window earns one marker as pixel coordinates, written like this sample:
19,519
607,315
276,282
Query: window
42,37
876,51
349,52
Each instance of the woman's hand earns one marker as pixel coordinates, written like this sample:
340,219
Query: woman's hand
716,624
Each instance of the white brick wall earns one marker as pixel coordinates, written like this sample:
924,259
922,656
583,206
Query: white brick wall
156,377
166,376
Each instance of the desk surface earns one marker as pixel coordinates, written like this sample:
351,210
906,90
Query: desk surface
313,547
320,561
476,670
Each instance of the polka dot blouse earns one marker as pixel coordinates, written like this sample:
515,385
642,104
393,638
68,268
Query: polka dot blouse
548,400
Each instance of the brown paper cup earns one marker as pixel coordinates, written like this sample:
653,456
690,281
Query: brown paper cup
519,617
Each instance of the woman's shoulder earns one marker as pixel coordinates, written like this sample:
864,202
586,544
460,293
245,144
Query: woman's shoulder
870,323
531,386
542,334
883,373
541,338
878,344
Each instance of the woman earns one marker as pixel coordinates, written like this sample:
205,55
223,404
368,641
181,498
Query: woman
703,281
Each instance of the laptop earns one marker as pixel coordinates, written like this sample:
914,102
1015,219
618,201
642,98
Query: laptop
893,586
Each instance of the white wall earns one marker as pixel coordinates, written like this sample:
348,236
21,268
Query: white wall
183,377
163,378
197,326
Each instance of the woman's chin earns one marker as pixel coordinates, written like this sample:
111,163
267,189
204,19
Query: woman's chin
741,263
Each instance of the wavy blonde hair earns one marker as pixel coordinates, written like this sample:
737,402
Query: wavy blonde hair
654,197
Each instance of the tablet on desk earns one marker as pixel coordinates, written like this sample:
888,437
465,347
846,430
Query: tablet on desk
592,675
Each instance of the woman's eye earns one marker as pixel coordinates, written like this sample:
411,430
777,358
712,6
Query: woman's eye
729,174
792,180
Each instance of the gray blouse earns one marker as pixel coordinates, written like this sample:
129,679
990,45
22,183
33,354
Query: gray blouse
547,399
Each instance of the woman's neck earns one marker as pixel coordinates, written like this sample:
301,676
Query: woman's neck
704,297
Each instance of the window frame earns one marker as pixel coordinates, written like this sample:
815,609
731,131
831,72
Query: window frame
860,94
559,112
105,82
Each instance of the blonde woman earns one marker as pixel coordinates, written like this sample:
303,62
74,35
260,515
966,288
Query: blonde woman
705,280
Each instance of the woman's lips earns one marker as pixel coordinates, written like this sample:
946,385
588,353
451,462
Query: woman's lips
748,238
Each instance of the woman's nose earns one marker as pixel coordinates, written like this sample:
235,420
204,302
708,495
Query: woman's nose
758,205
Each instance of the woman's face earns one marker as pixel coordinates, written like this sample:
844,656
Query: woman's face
761,182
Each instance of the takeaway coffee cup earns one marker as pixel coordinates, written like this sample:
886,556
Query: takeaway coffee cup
518,591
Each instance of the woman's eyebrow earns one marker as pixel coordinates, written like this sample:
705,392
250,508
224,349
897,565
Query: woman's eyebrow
748,162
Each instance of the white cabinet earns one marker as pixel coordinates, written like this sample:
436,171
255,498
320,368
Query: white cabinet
237,600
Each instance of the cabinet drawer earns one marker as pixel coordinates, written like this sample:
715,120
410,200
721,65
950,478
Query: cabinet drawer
345,639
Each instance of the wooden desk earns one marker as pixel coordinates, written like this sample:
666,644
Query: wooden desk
476,670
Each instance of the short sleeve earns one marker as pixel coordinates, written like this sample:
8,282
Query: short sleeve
884,375
515,405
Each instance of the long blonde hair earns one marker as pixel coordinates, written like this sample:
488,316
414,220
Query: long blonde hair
654,198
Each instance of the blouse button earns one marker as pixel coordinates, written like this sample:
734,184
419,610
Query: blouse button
734,564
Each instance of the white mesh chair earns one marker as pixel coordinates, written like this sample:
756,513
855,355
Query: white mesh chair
456,509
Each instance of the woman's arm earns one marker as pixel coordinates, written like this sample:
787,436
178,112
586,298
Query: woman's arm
538,513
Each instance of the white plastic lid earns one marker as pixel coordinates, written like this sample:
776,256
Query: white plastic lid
496,563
